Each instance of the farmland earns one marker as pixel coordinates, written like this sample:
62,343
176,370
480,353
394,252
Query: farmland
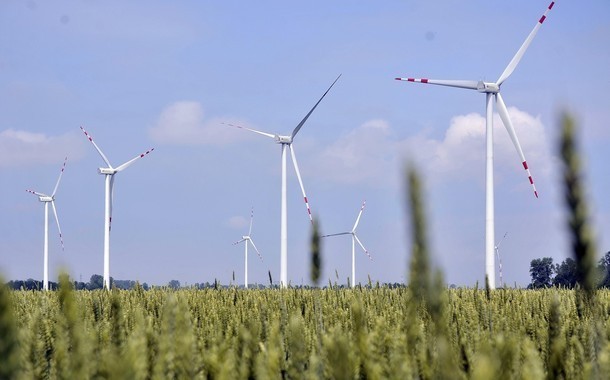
368,332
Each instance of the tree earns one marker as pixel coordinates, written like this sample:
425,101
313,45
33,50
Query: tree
565,274
174,284
96,282
604,269
541,271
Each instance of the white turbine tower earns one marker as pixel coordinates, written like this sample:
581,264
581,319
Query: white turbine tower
492,91
497,249
286,142
354,240
109,173
46,199
248,239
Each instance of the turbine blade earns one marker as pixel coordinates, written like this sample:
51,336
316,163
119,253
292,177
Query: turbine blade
364,249
515,61
128,163
61,238
513,136
239,241
60,174
359,214
467,84
256,249
298,127
252,130
96,147
296,169
340,233
251,219
36,193
501,240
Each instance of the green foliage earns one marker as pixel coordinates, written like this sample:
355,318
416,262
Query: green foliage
303,333
565,276
541,271
9,339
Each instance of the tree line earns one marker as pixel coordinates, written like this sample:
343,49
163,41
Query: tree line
545,274
95,282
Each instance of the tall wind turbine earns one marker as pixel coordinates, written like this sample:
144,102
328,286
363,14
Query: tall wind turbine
492,92
354,240
248,239
109,173
286,142
46,199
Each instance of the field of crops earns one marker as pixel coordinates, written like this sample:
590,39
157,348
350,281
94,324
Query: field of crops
299,333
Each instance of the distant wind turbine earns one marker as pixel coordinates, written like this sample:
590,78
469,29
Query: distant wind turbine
492,91
109,173
286,142
497,249
248,239
46,199
354,240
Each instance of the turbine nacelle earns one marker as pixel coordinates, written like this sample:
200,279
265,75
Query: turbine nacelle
283,139
487,87
46,198
106,171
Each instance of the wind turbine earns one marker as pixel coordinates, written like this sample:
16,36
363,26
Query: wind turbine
286,142
497,249
354,240
492,92
109,173
46,199
248,239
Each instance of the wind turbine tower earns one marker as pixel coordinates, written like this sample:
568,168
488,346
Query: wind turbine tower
492,92
109,173
497,249
286,143
46,199
247,239
354,241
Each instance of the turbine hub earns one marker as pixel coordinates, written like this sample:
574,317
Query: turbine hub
46,198
487,87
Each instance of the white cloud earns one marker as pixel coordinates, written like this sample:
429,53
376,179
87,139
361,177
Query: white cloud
462,151
18,148
371,154
365,154
184,123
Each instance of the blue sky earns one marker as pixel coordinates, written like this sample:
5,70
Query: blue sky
167,75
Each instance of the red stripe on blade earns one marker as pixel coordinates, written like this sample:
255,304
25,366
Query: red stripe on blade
424,81
531,180
551,6
525,165
542,19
